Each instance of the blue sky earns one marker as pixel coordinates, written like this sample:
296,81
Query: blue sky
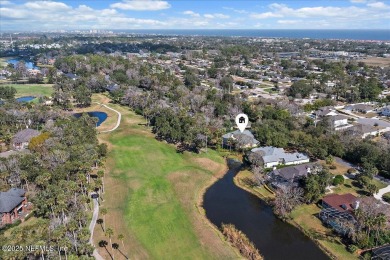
190,14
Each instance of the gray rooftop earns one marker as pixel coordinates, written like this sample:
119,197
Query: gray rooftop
274,154
25,135
292,172
11,199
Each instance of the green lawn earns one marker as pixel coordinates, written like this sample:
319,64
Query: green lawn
154,189
32,89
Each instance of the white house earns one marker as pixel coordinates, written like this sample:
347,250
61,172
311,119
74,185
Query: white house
273,156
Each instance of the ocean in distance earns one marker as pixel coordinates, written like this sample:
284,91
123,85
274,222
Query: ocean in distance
356,34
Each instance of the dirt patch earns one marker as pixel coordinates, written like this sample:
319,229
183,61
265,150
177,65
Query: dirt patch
377,61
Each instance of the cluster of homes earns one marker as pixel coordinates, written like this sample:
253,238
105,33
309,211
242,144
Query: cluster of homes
287,169
13,203
353,121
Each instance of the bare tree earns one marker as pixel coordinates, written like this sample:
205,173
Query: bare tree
287,198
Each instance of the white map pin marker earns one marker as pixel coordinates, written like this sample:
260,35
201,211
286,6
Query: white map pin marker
242,121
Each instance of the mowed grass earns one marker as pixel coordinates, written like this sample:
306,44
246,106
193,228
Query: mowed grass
32,89
152,193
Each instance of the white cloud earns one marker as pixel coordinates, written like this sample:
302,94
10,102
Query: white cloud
47,5
141,5
216,15
265,15
289,21
358,1
379,5
56,15
191,13
240,11
5,3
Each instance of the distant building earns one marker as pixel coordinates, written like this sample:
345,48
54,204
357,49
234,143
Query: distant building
273,156
13,205
339,122
362,108
385,111
72,76
112,87
364,130
23,137
326,111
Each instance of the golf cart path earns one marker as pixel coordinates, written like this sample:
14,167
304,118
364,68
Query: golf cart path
118,121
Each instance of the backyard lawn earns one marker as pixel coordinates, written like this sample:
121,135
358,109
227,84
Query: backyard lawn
152,193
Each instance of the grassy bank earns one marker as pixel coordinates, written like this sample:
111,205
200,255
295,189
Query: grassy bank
303,217
152,192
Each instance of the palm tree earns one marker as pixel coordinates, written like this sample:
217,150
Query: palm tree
100,222
115,246
104,211
121,237
100,174
109,232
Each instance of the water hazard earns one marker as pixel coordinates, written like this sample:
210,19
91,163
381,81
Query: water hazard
224,202
101,116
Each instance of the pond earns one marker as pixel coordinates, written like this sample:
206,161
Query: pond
100,115
224,202
29,64
25,99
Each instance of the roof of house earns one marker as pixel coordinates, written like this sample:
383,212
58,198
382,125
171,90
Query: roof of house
25,135
338,117
274,154
112,87
341,202
11,199
291,172
326,111
235,134
71,76
362,107
363,129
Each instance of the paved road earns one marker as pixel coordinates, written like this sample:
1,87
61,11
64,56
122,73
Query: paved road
118,122
380,193
92,227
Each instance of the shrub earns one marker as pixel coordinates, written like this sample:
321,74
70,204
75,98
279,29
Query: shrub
240,241
351,170
333,167
337,180
352,248
386,197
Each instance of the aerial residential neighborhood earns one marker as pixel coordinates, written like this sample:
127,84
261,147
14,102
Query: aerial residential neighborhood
161,129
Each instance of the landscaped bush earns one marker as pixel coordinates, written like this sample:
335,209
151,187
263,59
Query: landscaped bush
352,248
386,197
338,179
